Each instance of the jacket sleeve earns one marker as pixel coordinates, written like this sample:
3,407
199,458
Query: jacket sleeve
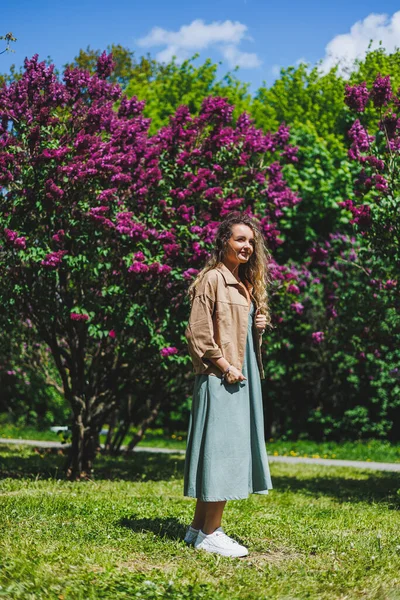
200,330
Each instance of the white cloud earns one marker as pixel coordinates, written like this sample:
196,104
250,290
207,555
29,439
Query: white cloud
235,57
349,46
276,70
225,36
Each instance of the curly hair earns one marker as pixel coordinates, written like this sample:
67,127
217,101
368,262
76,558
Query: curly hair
255,271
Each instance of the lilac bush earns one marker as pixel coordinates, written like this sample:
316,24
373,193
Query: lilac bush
332,368
375,208
103,226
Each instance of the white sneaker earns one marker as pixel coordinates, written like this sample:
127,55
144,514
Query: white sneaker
219,543
191,535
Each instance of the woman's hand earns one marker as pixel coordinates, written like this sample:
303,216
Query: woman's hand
260,321
234,375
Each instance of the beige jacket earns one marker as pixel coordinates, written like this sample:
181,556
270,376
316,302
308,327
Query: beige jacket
218,323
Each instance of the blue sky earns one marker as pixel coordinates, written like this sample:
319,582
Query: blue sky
259,35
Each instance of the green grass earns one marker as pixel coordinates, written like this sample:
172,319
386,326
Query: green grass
369,450
8,430
323,533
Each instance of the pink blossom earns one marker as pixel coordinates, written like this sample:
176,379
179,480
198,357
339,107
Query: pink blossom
20,242
78,317
53,259
190,274
171,250
293,289
112,334
318,336
10,235
138,267
390,284
297,307
168,351
159,269
12,238
59,236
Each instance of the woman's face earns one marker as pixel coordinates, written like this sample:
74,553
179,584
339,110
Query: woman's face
240,245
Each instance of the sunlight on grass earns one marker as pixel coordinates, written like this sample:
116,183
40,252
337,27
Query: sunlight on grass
321,533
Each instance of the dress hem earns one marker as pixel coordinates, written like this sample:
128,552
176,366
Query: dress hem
208,499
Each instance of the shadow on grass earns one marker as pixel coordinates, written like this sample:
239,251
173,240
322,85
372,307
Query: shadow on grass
24,462
378,486
169,528
20,462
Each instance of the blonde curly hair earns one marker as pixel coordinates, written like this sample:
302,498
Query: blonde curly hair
256,271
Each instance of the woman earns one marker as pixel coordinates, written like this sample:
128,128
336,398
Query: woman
226,457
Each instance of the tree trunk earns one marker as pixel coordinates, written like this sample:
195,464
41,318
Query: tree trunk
111,426
142,428
84,447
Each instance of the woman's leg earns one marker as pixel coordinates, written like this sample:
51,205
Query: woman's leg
208,515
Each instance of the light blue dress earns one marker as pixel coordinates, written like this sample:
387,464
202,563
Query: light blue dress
226,457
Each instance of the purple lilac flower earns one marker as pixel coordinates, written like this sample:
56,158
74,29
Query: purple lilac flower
138,267
20,243
53,192
390,284
139,256
331,312
107,195
186,213
282,136
390,124
131,107
190,274
375,162
297,307
293,289
356,97
53,259
59,236
216,108
105,65
171,250
290,154
318,254
362,215
381,90
78,317
159,269
99,210
381,183
359,136
10,235
168,351
318,337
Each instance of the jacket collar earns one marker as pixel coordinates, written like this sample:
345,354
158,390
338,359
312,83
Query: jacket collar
228,277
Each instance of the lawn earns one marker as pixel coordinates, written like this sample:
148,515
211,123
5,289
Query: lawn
369,450
322,533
